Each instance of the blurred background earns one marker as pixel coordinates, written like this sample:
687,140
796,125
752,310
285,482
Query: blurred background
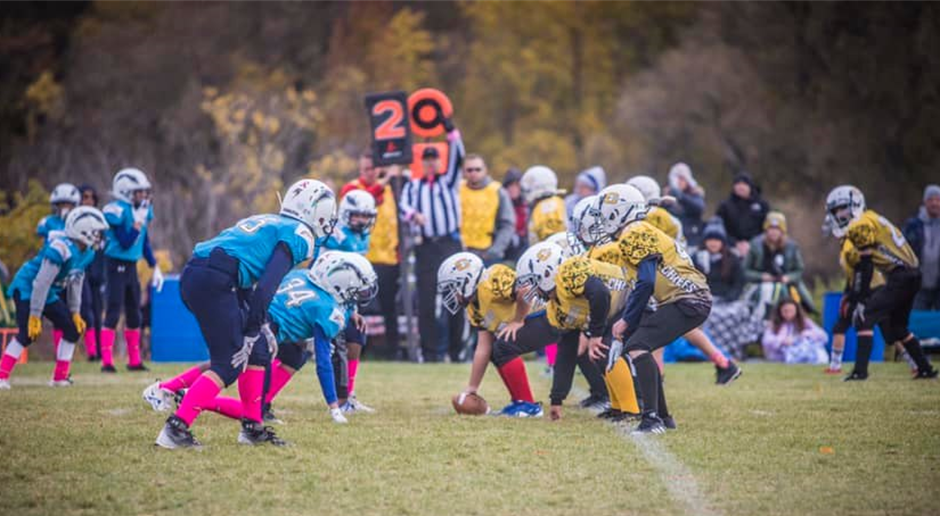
223,103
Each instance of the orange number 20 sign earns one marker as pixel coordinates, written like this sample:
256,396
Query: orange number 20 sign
391,130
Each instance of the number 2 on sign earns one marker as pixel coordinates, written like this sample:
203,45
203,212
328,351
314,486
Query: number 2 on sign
391,127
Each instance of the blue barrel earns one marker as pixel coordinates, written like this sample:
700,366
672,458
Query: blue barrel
175,335
831,315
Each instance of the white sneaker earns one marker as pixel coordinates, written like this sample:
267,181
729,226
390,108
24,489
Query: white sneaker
358,406
60,383
159,399
5,385
337,415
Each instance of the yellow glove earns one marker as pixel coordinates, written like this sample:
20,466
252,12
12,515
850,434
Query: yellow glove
79,323
34,328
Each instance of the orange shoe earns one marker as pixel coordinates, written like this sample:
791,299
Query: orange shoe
830,370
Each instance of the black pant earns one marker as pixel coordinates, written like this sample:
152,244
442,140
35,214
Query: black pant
388,307
123,289
890,306
91,307
57,312
534,336
428,258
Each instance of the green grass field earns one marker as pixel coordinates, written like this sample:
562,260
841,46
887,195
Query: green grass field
782,440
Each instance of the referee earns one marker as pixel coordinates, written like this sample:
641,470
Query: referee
430,201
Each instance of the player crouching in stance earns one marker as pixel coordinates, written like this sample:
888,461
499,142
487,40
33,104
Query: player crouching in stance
35,290
307,312
882,247
506,328
249,259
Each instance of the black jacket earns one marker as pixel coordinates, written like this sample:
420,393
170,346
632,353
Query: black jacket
743,218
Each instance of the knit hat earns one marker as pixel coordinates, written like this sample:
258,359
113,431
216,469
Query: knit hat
682,170
594,177
775,219
715,229
931,191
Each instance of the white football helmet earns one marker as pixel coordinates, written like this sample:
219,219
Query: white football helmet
358,202
457,280
538,182
617,206
313,203
86,225
537,267
843,205
65,193
127,181
584,223
648,187
348,277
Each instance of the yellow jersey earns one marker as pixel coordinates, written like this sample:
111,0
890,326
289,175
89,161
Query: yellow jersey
478,209
383,239
676,277
547,217
890,249
849,258
569,309
665,222
495,301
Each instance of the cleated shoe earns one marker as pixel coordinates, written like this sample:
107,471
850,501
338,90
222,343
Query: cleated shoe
347,407
253,433
669,423
609,413
359,406
5,385
598,405
509,410
624,417
338,416
650,424
137,368
159,399
527,409
61,383
108,368
176,434
591,400
929,374
267,415
727,375
93,358
830,370
856,377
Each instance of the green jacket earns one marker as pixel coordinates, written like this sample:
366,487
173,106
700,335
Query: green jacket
792,267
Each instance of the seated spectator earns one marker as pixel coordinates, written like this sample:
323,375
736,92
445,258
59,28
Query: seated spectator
792,338
588,182
730,324
743,212
690,202
923,233
775,260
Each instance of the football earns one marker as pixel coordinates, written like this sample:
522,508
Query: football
473,405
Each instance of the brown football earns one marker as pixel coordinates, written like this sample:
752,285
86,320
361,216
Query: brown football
473,405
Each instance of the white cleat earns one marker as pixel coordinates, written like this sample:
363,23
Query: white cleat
338,417
159,399
60,383
358,406
5,385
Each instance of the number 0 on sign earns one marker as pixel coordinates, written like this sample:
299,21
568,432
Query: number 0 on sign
391,128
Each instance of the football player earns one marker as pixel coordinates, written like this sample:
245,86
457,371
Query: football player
881,246
546,206
35,290
63,199
506,326
247,260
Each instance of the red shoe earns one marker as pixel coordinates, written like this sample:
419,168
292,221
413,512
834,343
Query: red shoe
830,370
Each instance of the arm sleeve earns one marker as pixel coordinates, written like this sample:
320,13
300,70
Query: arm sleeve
861,283
148,252
324,365
125,237
751,263
404,203
278,265
454,159
640,296
737,278
564,367
796,273
598,297
41,285
75,284
505,226
692,205
771,341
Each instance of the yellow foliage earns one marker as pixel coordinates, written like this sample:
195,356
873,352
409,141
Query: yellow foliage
21,215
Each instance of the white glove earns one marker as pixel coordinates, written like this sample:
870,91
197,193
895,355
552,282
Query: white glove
338,416
858,315
240,358
141,212
157,280
271,338
616,349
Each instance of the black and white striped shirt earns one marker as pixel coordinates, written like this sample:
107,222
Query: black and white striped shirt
437,198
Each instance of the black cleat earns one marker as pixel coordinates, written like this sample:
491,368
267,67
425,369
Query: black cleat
591,400
93,358
138,367
254,433
176,434
267,415
856,377
669,423
728,374
108,369
609,413
650,424
929,374
624,416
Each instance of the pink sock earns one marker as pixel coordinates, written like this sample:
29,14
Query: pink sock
56,338
91,343
720,360
7,363
250,386
182,381
353,369
107,346
132,337
551,351
61,371
228,407
280,375
200,396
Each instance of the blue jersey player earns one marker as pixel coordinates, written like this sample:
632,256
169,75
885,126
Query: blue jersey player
64,198
60,265
245,264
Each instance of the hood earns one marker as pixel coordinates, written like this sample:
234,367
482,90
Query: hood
595,177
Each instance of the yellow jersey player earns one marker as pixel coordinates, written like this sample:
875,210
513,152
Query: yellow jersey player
507,329
546,206
583,298
882,247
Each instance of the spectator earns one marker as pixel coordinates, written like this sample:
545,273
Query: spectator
383,254
775,258
792,338
690,202
923,233
430,202
730,324
588,183
521,236
487,215
743,212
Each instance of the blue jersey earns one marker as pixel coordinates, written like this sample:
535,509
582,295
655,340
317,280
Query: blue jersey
49,226
345,239
252,241
61,251
120,216
299,306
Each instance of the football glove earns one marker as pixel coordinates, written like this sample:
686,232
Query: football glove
270,338
157,280
240,358
140,213
858,315
34,327
79,323
616,349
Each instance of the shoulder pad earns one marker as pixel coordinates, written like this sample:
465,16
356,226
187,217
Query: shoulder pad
639,242
502,279
304,233
61,248
862,233
572,275
113,208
